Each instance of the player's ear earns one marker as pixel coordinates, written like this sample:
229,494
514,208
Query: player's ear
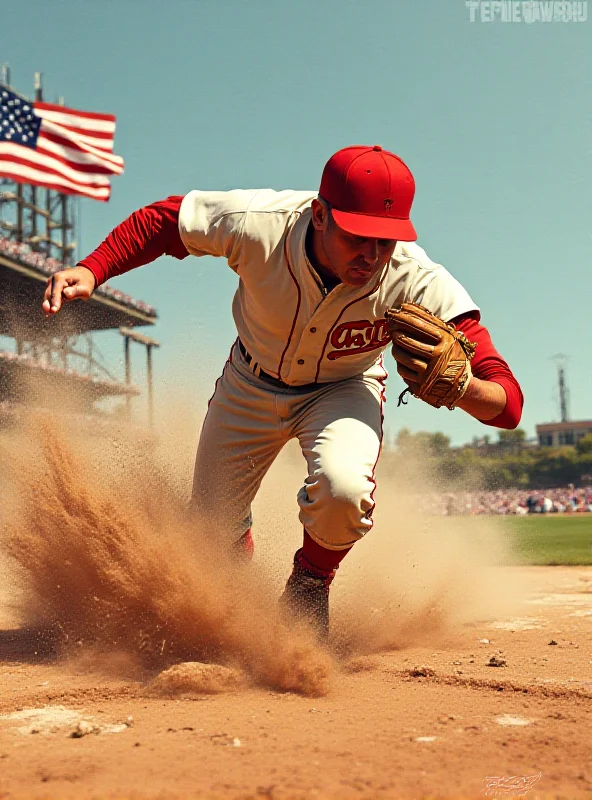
320,213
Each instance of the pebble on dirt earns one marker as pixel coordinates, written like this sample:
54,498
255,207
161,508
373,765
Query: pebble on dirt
195,677
422,672
497,661
84,728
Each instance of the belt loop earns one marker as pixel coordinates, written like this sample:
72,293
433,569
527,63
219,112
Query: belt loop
251,363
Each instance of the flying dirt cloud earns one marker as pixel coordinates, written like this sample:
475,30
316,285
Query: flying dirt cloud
414,579
104,555
124,569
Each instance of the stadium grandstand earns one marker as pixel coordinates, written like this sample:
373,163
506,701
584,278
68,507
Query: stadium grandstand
49,363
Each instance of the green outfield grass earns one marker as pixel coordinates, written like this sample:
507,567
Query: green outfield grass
550,539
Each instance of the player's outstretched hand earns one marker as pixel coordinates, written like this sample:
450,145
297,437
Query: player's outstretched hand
74,283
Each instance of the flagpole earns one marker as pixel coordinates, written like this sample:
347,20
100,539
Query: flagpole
64,226
65,208
38,96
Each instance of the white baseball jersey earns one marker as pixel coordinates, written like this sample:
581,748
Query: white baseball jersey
287,321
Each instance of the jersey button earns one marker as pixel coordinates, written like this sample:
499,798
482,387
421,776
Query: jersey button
313,330
301,361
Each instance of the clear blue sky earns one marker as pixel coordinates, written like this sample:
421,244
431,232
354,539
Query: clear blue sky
495,121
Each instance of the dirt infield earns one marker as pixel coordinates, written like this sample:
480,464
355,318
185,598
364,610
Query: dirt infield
421,721
448,675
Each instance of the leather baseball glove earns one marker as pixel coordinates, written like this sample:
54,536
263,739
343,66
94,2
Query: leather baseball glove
433,358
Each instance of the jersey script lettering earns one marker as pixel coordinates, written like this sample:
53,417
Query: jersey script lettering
358,336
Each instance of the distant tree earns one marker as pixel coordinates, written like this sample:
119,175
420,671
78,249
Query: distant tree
403,438
439,443
584,445
511,438
431,444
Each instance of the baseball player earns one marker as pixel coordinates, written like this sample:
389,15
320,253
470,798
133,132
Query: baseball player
316,274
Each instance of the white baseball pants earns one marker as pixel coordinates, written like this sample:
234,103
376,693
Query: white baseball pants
339,428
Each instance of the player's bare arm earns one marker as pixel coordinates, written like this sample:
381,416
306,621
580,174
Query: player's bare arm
483,400
74,283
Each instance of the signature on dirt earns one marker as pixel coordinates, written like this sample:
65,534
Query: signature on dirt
515,786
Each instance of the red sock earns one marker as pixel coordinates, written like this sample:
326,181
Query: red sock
320,557
244,547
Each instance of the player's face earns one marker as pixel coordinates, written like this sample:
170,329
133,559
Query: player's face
356,260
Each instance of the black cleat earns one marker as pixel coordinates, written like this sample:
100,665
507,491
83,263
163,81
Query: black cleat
307,595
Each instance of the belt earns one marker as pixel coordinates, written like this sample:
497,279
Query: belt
260,373
256,369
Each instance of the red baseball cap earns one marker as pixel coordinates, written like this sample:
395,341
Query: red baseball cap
371,192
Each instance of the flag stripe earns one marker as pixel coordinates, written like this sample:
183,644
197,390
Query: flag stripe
89,167
81,124
87,161
24,174
95,141
52,107
19,155
105,158
102,138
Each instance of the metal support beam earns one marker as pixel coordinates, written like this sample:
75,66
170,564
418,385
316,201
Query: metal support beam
19,212
48,219
128,373
11,196
150,387
138,337
33,238
149,344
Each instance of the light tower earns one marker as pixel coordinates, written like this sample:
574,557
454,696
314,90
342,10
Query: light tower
561,359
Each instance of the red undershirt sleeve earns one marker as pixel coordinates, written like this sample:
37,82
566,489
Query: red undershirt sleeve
488,365
145,235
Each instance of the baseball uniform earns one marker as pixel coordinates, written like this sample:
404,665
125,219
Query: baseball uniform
308,361
325,348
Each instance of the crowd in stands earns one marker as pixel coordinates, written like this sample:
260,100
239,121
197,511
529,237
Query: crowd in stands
566,500
21,251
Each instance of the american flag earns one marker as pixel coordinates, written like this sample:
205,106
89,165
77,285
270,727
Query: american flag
57,147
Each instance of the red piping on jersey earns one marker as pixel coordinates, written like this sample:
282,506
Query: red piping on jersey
357,300
382,402
297,304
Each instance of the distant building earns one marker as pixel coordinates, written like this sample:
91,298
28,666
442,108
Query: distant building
556,434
